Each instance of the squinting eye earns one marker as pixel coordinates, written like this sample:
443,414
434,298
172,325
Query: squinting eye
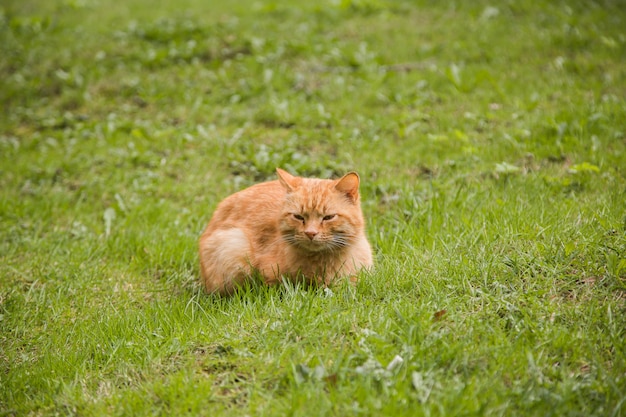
329,217
298,217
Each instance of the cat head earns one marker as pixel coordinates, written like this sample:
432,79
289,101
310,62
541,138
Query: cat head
320,215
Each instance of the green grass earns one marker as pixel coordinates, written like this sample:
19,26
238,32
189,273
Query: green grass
491,142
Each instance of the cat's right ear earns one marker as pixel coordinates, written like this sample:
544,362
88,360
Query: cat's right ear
286,179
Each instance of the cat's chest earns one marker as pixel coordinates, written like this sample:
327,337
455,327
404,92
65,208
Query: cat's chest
276,257
314,266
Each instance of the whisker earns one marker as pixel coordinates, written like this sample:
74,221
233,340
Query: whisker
332,243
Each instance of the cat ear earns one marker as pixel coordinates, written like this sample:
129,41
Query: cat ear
286,179
349,185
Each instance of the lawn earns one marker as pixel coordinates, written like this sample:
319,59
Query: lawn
490,138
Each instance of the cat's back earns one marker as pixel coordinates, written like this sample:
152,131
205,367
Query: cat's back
250,205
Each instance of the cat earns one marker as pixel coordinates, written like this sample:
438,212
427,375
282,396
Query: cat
301,229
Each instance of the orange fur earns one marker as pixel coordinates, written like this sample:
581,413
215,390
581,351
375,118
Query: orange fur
301,229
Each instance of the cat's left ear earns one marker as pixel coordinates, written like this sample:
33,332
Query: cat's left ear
349,185
288,181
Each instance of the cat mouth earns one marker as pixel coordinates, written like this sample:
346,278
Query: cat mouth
313,245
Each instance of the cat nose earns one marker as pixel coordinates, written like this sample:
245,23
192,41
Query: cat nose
311,233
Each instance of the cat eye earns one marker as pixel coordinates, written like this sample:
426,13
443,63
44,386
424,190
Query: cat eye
329,217
298,217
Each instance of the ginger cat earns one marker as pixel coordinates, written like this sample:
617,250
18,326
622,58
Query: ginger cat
302,229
